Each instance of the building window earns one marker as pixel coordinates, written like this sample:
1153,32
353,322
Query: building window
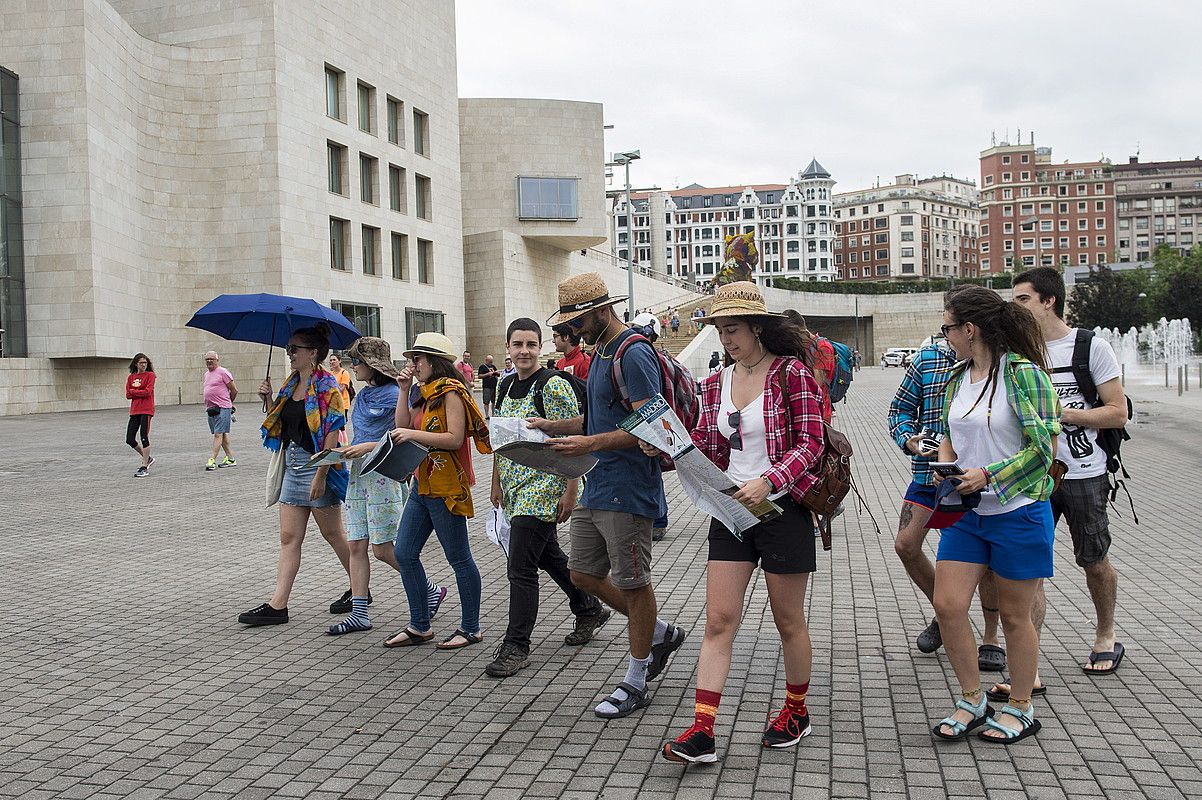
882,254
334,88
396,188
367,108
882,269
421,133
12,259
364,317
367,179
371,250
907,236
907,219
548,198
425,261
338,243
882,238
423,205
396,123
419,320
400,256
336,158
907,252
907,269
881,222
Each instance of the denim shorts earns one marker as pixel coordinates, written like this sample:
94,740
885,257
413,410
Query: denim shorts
220,422
1017,545
298,480
373,507
919,495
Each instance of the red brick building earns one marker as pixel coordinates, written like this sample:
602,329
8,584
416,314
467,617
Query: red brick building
1037,213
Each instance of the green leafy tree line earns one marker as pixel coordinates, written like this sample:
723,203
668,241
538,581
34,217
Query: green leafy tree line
1171,289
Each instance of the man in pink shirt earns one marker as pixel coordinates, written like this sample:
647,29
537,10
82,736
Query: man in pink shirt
464,365
219,395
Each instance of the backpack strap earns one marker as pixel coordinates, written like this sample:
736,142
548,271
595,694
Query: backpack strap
540,382
619,383
503,390
1080,367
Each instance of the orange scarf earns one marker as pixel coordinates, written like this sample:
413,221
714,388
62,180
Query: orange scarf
445,473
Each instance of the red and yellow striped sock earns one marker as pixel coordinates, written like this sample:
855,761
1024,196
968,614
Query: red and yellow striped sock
795,697
706,710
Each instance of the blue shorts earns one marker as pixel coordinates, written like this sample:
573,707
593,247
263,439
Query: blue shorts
298,481
219,423
1016,545
920,495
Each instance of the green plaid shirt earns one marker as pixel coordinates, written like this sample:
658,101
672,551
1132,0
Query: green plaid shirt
1034,400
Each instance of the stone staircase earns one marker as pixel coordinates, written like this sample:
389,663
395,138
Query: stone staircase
688,331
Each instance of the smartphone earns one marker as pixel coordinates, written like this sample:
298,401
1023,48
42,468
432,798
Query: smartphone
947,469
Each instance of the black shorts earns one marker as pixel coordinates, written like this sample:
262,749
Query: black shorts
1082,503
784,545
489,394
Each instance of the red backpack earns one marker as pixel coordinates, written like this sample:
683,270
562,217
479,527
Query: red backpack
679,387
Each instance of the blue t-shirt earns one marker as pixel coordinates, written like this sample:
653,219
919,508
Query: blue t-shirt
623,480
374,412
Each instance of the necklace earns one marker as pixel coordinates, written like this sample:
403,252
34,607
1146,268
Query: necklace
600,350
763,355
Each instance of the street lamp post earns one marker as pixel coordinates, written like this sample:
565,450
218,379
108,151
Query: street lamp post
624,159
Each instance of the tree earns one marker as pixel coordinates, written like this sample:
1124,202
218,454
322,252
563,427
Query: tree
1109,299
1177,287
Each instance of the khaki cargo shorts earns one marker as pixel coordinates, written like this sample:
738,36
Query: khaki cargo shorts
611,543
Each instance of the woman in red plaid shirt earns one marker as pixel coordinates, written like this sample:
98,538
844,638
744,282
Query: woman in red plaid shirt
761,422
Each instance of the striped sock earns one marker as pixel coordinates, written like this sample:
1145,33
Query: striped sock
357,621
795,697
706,710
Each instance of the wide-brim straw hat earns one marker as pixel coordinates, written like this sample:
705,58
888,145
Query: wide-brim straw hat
738,299
432,344
581,294
375,353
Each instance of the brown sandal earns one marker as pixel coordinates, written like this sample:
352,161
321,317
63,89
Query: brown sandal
412,638
468,639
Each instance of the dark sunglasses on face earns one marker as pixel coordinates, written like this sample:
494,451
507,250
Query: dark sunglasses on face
356,361
576,323
945,328
292,348
736,439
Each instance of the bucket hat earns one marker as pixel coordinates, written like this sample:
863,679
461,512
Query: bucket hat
581,294
738,299
375,353
432,344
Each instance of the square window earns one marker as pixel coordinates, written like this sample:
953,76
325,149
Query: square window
371,250
400,256
367,108
364,317
421,133
396,122
425,261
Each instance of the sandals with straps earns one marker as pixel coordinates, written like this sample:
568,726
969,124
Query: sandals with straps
1030,726
982,713
469,639
412,638
635,699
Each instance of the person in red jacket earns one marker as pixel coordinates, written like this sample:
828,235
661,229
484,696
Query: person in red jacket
139,390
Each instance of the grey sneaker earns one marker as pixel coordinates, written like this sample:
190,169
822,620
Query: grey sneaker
142,472
587,627
508,660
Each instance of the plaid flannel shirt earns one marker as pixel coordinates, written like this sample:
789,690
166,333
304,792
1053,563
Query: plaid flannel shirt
792,468
1030,392
918,403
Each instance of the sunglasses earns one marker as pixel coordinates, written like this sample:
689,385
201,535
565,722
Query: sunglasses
356,361
945,328
736,438
577,323
292,348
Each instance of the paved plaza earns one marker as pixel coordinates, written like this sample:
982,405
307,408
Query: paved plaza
123,672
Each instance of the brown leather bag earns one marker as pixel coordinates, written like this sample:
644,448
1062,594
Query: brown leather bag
833,471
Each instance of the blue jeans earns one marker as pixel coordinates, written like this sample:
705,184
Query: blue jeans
423,516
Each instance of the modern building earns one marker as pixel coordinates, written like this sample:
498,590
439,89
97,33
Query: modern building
1157,203
1037,213
682,232
907,230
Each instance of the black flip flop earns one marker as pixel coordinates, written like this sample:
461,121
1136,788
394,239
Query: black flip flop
412,638
1038,691
991,658
1114,656
635,700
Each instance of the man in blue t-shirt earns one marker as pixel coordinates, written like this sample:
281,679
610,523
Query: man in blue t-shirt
611,526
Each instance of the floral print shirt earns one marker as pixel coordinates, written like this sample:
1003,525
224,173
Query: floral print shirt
527,491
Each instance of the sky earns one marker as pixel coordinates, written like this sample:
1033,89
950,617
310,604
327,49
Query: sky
734,93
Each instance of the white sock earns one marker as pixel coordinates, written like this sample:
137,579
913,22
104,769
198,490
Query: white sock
636,676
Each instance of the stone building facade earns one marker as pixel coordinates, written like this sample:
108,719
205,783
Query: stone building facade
1157,203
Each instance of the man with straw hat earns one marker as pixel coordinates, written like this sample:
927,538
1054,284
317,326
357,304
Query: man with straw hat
611,526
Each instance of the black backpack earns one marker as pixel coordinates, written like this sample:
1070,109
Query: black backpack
579,388
1109,439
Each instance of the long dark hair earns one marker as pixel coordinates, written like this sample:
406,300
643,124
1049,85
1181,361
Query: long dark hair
440,368
133,365
1003,327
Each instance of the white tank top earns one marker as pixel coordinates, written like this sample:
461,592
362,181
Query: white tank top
752,461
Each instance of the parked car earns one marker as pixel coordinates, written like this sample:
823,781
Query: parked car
897,356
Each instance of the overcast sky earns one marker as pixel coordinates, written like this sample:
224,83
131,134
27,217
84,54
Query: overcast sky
723,92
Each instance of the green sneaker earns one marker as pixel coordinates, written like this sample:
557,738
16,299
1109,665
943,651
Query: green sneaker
211,465
228,462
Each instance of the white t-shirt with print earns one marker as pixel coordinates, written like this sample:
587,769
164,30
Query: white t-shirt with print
1078,447
984,431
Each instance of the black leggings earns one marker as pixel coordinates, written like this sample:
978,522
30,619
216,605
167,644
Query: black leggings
138,423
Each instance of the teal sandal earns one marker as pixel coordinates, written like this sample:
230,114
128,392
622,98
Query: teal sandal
981,713
1030,726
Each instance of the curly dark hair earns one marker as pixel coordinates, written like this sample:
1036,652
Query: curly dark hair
317,337
133,364
781,336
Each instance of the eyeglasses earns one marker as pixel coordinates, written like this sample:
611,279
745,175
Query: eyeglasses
945,328
356,361
736,438
292,348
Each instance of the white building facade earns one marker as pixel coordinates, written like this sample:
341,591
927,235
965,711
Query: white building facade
681,233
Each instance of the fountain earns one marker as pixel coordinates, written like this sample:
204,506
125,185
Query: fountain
1164,342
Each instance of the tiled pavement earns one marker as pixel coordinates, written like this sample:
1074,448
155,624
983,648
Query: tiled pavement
124,674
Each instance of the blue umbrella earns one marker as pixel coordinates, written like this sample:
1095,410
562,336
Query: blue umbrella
270,319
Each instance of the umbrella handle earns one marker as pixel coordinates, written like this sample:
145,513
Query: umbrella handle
267,377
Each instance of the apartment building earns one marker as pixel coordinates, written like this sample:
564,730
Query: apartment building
1038,213
1157,203
907,230
682,232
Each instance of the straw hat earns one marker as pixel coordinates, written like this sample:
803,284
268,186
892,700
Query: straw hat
581,294
375,353
738,299
432,344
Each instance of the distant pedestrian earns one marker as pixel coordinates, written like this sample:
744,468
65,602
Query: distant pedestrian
611,525
675,323
219,396
535,502
698,313
446,420
304,418
572,360
139,390
857,359
715,363
343,376
761,423
489,375
508,370
466,371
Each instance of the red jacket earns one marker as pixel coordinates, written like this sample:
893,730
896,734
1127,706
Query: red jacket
142,396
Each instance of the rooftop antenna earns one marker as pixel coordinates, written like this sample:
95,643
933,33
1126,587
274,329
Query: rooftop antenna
1018,138
993,138
1032,138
